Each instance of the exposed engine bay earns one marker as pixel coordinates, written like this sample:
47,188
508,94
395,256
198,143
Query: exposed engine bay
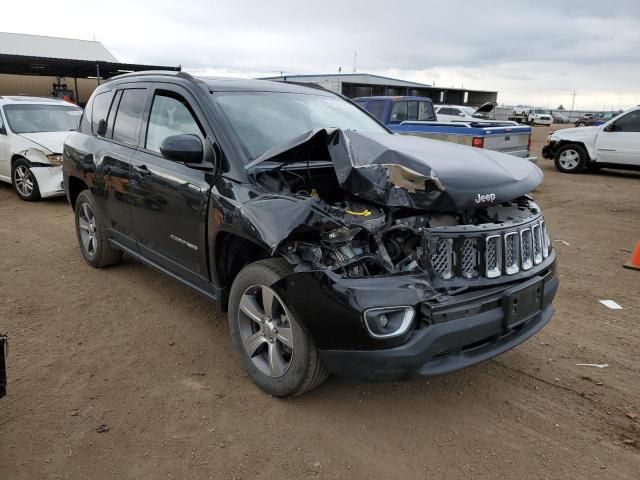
367,239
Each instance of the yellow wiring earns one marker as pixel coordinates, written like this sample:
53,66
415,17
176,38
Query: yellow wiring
364,213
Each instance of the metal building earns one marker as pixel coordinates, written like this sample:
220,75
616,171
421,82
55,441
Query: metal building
355,85
53,66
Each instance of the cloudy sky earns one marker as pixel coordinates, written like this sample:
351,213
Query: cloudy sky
536,52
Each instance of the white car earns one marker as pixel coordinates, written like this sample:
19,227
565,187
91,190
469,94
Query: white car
461,113
615,144
32,133
521,109
539,116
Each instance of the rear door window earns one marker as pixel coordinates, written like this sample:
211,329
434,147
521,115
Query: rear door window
127,122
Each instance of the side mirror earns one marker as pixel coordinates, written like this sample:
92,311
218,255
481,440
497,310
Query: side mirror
185,148
610,128
3,131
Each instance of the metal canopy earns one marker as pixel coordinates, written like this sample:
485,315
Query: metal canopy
62,67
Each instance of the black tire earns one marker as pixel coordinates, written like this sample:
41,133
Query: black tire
581,124
100,252
563,158
24,181
305,370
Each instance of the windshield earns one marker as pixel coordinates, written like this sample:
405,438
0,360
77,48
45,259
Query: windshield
263,120
542,111
30,118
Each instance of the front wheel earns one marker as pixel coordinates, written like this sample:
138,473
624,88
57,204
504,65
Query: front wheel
275,351
24,181
570,158
92,233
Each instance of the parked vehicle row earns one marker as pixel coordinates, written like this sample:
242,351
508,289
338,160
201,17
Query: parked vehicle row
334,245
32,133
616,144
595,119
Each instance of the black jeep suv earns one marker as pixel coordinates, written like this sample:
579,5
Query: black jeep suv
335,245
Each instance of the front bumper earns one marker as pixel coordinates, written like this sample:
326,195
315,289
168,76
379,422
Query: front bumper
549,150
448,345
50,182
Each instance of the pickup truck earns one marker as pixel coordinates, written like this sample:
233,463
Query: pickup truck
416,116
614,144
333,244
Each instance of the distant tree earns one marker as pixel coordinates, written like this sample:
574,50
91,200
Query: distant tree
561,107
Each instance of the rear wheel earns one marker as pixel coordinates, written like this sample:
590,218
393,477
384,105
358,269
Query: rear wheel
276,352
581,124
570,158
24,181
92,233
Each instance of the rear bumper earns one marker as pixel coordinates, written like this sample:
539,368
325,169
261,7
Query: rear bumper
445,347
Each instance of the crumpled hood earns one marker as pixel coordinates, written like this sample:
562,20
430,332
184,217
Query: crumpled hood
414,172
52,141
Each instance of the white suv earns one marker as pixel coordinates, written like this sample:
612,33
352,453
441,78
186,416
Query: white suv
615,144
32,132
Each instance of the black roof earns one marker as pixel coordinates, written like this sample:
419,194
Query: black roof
229,84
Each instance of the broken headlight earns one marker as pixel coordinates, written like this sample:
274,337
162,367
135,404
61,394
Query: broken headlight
55,160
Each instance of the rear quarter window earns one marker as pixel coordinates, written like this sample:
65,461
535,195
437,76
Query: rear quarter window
99,109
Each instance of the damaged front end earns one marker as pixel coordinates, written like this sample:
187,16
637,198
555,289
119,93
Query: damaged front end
391,235
366,205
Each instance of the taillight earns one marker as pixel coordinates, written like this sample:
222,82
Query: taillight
529,143
477,142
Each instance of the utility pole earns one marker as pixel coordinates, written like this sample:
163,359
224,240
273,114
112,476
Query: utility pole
355,60
573,102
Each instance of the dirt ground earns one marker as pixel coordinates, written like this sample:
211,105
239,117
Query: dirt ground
131,350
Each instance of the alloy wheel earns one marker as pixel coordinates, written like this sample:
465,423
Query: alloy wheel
88,229
23,179
265,329
569,159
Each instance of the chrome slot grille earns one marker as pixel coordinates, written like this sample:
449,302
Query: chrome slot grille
441,258
470,258
506,252
527,248
537,244
493,255
511,253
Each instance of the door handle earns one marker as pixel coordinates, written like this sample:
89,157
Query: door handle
142,170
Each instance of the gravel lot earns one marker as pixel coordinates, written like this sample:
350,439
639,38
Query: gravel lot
131,350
